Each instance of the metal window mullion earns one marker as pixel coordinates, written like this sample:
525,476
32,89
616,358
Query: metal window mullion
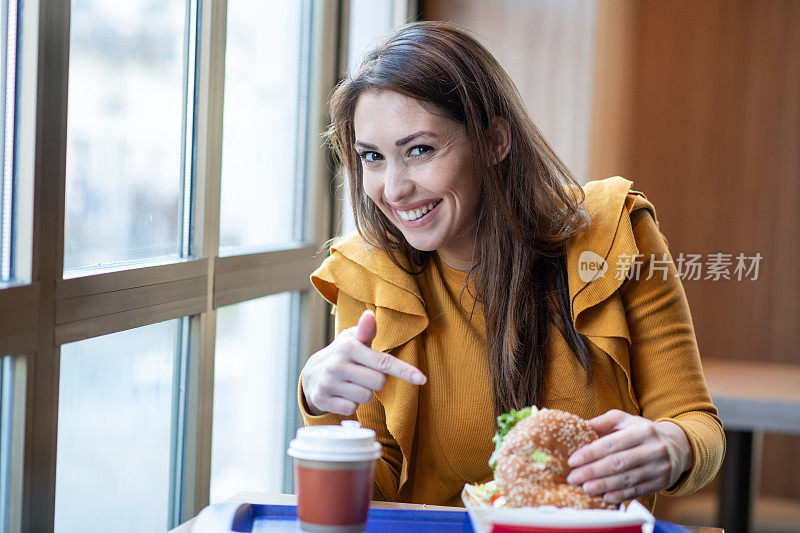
245,277
106,303
12,401
187,132
182,344
178,433
329,45
292,372
19,318
404,11
336,185
6,401
21,297
129,279
25,139
41,416
304,133
16,443
7,104
207,166
329,57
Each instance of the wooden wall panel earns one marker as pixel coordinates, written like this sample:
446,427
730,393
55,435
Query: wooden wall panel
712,136
547,46
715,146
611,152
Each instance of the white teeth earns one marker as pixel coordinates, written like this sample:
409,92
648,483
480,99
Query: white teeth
414,214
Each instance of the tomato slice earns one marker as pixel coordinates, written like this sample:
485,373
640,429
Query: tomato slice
494,497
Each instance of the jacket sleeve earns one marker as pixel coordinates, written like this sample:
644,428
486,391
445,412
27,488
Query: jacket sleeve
665,362
371,415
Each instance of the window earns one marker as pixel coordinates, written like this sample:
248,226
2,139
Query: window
117,415
263,198
264,124
163,196
254,394
127,173
368,21
128,191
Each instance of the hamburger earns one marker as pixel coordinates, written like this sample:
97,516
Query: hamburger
532,447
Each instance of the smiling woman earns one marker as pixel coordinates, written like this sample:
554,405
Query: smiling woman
429,191
467,261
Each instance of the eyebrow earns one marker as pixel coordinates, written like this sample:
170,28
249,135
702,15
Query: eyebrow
399,142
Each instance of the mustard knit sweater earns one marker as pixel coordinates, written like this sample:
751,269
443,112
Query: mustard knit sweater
644,356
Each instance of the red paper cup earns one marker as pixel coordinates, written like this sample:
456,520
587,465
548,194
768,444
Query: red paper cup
334,467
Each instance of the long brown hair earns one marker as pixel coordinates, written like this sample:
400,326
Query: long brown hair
529,208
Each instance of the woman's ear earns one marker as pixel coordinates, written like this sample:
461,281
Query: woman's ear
499,134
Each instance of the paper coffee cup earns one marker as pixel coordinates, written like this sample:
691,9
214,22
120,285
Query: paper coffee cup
334,467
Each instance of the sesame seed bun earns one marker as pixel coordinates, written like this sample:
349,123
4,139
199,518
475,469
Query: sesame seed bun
532,464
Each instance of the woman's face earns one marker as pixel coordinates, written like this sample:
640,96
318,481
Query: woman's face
418,170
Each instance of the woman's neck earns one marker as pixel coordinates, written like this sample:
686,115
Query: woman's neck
461,262
461,251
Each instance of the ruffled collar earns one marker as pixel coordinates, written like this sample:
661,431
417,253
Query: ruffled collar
608,202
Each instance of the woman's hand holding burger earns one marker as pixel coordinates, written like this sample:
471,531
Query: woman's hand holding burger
345,373
633,457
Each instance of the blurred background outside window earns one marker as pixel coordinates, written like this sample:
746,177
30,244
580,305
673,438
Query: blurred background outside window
126,135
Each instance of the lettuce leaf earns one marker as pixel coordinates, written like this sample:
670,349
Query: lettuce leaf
505,422
485,491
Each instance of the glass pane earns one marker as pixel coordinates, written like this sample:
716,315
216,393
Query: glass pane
8,39
126,116
253,382
12,419
369,21
261,199
114,431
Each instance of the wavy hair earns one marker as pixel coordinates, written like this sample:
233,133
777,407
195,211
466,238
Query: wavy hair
530,203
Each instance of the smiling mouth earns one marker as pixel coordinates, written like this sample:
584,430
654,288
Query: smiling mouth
414,214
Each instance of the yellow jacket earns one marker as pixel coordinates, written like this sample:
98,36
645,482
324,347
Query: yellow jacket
645,359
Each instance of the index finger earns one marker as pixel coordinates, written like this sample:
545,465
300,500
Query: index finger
388,364
608,422
602,447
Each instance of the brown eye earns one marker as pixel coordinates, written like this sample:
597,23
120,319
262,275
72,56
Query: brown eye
420,149
369,156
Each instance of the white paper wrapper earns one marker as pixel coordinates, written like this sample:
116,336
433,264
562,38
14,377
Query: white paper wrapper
485,518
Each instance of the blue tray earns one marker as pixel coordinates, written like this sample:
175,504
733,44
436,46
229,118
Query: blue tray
284,518
246,518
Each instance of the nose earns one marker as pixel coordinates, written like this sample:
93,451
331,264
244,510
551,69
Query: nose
397,186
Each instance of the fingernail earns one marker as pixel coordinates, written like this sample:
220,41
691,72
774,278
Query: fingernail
573,461
420,379
573,479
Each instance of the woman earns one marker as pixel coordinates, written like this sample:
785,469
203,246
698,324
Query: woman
483,278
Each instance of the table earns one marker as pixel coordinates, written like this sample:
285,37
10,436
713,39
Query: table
752,397
291,499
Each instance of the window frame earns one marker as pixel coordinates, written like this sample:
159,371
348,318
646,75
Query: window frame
45,310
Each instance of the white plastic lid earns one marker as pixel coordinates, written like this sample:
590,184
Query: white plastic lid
348,442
